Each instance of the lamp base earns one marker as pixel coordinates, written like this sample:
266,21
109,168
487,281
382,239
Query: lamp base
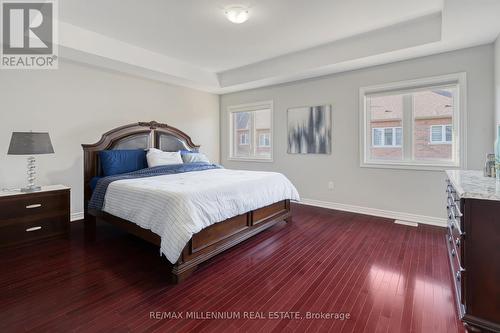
31,177
31,189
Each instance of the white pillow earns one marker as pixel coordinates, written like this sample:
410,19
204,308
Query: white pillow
156,157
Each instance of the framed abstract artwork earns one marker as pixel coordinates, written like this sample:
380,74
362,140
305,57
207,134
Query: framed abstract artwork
310,130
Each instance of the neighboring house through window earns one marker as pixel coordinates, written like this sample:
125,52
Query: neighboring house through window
251,131
441,134
264,140
387,137
244,139
414,124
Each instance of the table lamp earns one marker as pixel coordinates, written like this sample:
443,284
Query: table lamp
30,143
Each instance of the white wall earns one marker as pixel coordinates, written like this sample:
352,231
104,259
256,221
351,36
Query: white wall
497,80
412,192
77,103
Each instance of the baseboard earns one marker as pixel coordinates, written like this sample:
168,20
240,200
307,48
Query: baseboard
440,222
435,221
407,223
76,216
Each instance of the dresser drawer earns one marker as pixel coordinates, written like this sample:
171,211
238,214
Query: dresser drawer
42,204
455,223
456,244
450,191
454,211
458,274
25,231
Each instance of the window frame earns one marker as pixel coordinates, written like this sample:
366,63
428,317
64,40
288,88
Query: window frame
443,135
393,145
250,107
459,140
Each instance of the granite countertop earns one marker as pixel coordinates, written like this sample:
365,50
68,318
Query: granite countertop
471,184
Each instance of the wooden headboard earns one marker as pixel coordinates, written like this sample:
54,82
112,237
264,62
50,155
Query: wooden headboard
139,135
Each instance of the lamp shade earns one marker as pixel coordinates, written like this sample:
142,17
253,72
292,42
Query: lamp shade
30,143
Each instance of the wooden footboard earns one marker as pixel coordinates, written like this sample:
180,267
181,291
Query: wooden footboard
208,242
224,235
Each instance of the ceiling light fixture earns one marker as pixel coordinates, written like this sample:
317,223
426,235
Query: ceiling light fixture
236,13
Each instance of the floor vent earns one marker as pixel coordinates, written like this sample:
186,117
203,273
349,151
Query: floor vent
408,223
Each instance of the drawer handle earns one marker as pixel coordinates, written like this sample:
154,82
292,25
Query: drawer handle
33,229
458,276
34,206
457,242
453,226
453,253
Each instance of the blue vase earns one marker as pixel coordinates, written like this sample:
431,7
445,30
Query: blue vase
497,154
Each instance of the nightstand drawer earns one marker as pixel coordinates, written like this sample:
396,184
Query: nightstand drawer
41,204
32,230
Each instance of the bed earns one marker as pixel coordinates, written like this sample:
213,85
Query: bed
253,204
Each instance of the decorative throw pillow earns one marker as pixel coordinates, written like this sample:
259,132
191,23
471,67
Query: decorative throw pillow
158,157
190,157
118,161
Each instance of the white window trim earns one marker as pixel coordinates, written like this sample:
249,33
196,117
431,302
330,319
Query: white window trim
248,108
459,123
443,135
383,145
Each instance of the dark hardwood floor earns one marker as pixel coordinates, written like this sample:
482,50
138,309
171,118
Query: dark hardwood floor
386,277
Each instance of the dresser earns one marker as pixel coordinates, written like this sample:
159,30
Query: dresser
26,217
473,242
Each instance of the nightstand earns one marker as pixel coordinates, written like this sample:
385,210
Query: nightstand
26,217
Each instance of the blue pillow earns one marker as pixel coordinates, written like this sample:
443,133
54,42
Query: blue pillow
118,161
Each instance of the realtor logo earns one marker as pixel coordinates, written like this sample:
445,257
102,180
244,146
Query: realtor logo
28,34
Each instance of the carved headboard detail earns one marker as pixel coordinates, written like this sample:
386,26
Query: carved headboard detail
139,135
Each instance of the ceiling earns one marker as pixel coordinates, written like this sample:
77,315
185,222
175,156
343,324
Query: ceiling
191,43
198,33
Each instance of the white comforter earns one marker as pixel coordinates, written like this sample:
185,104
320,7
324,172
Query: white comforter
177,206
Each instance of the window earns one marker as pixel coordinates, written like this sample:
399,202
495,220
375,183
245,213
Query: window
441,134
387,136
250,128
264,140
244,139
414,124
